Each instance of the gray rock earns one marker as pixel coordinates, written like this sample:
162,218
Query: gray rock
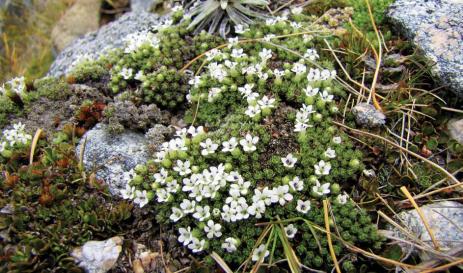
367,115
112,156
81,18
143,5
108,37
436,27
98,256
445,219
455,128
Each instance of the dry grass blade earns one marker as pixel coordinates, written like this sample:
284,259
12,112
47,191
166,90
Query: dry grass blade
293,261
420,213
443,267
34,145
444,171
221,262
328,236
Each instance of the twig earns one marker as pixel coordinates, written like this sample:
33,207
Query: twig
34,145
420,213
328,236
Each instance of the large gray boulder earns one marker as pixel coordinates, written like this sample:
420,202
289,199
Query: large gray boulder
112,156
436,27
445,219
108,37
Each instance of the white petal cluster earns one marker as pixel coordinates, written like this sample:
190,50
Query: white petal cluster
217,71
15,136
135,40
16,85
303,118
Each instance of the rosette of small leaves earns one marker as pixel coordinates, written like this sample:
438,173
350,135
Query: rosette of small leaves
217,15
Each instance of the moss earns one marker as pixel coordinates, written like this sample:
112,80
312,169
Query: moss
53,209
7,108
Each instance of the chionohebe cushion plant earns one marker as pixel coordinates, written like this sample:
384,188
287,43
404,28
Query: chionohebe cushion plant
262,148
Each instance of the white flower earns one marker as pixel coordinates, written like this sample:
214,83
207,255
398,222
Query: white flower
229,145
246,90
303,206
290,231
264,196
301,127
240,29
213,93
322,168
126,73
309,91
128,192
196,245
269,37
260,253
195,131
265,54
330,153
278,73
337,140
162,195
289,161
296,184
140,76
281,195
233,41
321,189
17,85
135,40
141,198
176,215
195,81
217,71
210,55
177,144
208,146
325,96
313,75
183,167
266,102
299,68
212,230
252,111
185,235
295,25
342,198
241,187
296,10
202,213
230,244
161,176
257,209
249,142
238,53
188,206
311,54
181,133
